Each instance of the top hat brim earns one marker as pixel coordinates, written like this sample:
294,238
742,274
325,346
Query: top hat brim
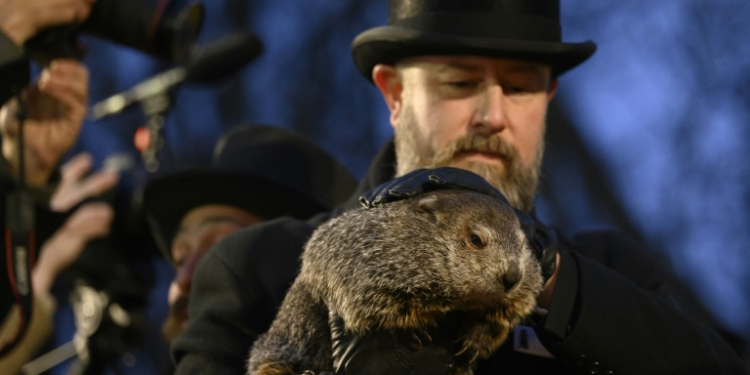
389,44
168,198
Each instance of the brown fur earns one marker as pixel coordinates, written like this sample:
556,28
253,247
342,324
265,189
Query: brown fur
402,266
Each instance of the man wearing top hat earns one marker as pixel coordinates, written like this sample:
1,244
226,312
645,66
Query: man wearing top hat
467,84
258,173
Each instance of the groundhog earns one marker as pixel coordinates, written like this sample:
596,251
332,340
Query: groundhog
403,265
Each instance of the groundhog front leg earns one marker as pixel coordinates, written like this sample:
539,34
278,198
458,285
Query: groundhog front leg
483,334
299,339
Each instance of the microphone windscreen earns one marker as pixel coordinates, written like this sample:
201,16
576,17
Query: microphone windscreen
222,57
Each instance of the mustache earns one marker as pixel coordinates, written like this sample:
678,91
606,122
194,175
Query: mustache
477,143
172,327
180,306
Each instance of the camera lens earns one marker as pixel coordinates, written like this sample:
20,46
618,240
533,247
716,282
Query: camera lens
161,28
181,32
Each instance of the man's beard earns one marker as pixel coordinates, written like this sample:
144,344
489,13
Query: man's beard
175,322
516,182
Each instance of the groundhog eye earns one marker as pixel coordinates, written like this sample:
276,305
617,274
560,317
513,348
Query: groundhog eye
476,240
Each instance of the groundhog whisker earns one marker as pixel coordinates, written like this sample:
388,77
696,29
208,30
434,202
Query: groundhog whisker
464,349
474,357
414,335
429,338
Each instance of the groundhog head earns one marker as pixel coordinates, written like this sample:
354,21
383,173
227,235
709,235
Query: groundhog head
405,263
487,257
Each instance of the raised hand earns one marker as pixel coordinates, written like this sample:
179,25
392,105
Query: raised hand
88,222
76,185
22,19
56,107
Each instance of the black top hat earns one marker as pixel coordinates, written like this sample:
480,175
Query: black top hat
519,29
268,171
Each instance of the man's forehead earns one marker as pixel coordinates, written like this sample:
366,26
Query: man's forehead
478,64
211,213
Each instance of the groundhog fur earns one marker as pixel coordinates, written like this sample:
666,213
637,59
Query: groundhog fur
402,265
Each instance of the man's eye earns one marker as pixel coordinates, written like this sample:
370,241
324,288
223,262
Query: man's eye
463,84
516,90
178,263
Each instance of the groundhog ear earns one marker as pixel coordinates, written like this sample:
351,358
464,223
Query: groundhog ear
428,206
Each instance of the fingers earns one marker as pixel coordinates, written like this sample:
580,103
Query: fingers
90,221
69,84
61,86
22,19
59,12
93,186
74,188
70,69
61,98
61,93
66,80
8,120
76,168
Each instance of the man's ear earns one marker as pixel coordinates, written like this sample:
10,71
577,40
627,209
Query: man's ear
429,207
553,85
388,81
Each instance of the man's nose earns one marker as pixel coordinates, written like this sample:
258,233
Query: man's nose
175,293
194,247
490,116
184,277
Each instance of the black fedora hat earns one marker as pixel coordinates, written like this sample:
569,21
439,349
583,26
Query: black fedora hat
268,171
517,29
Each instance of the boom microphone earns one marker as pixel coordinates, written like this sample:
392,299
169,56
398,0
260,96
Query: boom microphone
216,60
223,57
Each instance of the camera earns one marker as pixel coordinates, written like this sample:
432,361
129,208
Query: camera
162,28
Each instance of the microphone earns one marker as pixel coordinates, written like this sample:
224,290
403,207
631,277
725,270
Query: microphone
216,60
222,58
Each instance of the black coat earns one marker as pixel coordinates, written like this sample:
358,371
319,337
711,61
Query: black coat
607,313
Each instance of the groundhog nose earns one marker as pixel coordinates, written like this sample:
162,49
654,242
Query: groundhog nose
512,276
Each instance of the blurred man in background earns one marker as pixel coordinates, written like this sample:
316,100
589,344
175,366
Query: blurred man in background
259,173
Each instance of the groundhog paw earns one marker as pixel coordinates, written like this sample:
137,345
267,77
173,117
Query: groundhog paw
419,338
481,340
469,351
272,368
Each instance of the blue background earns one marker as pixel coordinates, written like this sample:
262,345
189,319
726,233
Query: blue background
648,136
